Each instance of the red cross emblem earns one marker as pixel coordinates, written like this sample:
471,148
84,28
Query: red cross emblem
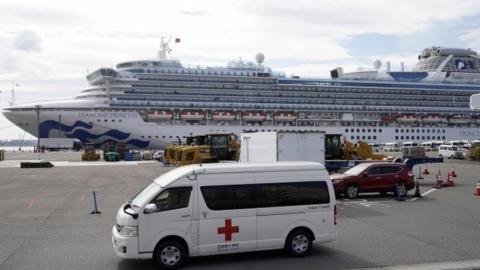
228,230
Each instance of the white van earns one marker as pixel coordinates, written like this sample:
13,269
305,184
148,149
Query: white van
450,151
460,143
223,208
409,144
428,145
391,147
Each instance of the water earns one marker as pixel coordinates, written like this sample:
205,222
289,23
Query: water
15,148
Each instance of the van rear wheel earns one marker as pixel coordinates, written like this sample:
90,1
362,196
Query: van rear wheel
169,254
299,243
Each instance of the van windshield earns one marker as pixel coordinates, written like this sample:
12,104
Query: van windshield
144,194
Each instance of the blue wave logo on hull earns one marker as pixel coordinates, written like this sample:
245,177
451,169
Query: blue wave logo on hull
47,126
85,136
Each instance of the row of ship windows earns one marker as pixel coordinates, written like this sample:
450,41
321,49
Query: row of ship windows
243,93
309,101
306,88
106,120
419,137
294,84
177,137
419,130
259,106
280,99
198,72
374,130
399,137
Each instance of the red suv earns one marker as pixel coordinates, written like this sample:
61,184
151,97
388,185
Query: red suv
374,177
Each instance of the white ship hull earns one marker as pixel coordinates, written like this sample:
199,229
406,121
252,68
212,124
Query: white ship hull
130,128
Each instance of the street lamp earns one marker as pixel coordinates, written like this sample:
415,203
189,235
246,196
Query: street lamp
37,107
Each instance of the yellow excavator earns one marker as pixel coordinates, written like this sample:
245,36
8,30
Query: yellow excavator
205,149
170,153
89,153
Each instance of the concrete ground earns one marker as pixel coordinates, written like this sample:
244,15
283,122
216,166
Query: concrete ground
45,223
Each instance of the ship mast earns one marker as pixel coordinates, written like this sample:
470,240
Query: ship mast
164,48
12,100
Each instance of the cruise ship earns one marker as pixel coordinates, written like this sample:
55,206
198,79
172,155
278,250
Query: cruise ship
151,103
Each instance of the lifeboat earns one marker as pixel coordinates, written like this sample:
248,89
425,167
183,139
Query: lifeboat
192,115
223,116
407,118
432,118
160,115
254,116
284,116
459,119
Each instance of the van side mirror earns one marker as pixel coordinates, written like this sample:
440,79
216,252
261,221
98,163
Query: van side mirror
365,174
150,208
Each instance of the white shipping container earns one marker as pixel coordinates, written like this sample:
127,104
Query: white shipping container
56,143
283,146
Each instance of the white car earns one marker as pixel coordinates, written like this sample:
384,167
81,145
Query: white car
208,209
449,151
158,155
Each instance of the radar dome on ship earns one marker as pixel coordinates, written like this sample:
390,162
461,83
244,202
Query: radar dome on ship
259,58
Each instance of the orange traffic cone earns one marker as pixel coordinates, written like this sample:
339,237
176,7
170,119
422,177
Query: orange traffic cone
450,182
452,172
477,189
425,170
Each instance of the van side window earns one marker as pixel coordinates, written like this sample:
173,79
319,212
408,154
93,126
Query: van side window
229,197
190,156
290,194
265,195
172,198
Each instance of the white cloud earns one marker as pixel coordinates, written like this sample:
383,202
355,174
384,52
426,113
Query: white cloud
471,38
27,41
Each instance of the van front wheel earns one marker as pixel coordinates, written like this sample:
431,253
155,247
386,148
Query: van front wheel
299,243
169,255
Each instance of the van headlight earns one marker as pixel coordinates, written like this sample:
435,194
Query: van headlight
128,231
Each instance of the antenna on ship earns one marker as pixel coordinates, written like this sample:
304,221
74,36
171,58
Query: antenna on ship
164,48
12,100
377,64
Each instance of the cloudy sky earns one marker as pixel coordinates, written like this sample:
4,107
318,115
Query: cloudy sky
47,47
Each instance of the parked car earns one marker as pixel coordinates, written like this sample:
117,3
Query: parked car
450,151
391,147
374,177
158,155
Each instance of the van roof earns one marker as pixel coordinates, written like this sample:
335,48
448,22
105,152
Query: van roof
230,167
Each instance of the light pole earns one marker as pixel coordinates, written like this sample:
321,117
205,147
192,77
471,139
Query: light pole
37,107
